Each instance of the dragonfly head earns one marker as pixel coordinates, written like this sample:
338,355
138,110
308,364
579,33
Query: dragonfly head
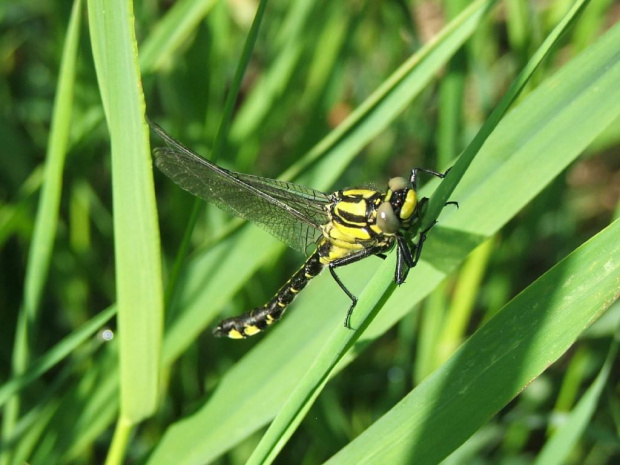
398,206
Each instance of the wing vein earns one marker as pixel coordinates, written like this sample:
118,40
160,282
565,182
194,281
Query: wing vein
291,212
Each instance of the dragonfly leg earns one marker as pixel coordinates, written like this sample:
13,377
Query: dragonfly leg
346,261
347,320
404,260
414,175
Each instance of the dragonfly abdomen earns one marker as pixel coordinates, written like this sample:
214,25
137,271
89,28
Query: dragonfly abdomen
256,320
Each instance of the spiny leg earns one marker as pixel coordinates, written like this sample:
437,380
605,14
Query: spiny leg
408,256
404,260
402,243
346,261
347,320
414,175
421,240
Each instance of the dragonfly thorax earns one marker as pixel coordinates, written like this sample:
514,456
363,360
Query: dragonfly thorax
361,219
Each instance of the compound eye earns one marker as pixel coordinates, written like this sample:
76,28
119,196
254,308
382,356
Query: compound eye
397,184
409,205
387,221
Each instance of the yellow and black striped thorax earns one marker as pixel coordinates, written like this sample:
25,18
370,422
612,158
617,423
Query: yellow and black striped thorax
366,218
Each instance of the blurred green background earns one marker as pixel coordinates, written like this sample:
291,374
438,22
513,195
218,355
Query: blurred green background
313,65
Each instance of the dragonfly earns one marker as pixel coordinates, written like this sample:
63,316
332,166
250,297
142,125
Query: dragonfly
342,227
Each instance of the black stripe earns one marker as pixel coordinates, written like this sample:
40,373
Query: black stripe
347,216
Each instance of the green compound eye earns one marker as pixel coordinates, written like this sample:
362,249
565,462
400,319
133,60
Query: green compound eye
387,221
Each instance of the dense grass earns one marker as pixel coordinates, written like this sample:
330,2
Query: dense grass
501,346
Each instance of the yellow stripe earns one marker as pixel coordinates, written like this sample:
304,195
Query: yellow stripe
251,330
336,253
234,334
376,229
347,245
365,193
346,234
336,235
409,206
353,209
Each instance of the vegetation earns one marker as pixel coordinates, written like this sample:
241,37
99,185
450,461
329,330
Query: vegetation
500,347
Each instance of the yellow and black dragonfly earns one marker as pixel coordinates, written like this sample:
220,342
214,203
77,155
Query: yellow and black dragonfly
345,226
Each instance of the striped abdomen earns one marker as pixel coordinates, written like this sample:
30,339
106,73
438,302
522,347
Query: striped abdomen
258,319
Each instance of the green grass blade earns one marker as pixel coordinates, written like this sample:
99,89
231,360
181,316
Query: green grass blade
373,116
12,215
171,32
462,305
266,92
498,361
47,214
558,448
46,221
138,273
432,317
233,94
438,201
29,431
92,406
56,354
525,152
450,100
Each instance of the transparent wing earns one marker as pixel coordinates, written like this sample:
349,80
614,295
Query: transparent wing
288,211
